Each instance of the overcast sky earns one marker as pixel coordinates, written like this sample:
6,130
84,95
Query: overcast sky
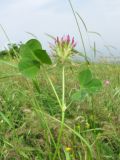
55,17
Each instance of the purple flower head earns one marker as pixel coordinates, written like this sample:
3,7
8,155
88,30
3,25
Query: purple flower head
65,40
64,46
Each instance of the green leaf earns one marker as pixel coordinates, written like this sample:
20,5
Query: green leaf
27,53
32,56
5,119
43,56
94,85
88,86
80,95
85,77
29,68
34,44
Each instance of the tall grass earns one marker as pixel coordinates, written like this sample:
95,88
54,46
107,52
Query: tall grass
30,120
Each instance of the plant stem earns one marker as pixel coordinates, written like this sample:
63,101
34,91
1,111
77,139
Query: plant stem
63,86
54,90
63,113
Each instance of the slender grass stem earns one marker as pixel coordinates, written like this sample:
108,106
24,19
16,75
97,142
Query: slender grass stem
5,33
63,113
78,29
9,41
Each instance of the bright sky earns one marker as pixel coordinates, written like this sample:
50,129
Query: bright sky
55,17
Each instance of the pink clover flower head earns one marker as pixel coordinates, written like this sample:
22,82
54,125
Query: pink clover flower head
64,46
107,82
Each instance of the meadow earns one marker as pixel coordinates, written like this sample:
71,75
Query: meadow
30,116
54,108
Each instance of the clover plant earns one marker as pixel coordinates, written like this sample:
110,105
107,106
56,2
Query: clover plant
33,57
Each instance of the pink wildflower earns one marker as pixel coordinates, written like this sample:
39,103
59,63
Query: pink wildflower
107,82
65,40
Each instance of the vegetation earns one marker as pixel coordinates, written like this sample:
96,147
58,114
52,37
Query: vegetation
12,51
30,114
57,109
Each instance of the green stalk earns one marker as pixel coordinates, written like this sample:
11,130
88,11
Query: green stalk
63,114
79,30
63,87
54,90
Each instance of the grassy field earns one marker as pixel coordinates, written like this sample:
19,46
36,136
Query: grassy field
30,116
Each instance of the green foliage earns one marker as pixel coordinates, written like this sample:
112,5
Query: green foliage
29,68
34,44
93,86
43,57
3,53
80,95
88,85
85,77
12,51
32,57
27,53
24,134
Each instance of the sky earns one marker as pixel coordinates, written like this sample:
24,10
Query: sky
55,18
